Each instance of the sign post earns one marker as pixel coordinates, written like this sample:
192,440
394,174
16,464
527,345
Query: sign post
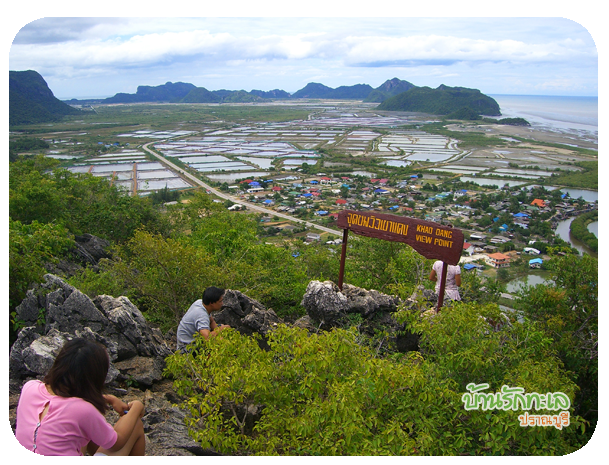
432,240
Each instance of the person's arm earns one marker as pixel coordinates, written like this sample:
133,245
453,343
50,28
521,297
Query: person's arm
433,276
124,428
206,333
118,405
212,323
458,279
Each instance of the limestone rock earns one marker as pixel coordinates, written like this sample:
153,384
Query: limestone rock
246,315
325,303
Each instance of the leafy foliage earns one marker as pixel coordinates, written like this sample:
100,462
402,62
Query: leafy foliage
587,179
246,400
31,246
567,309
442,101
579,229
39,191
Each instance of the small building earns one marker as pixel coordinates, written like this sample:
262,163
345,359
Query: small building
313,237
538,203
531,251
498,260
535,263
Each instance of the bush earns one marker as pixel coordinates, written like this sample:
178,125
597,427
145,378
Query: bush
328,394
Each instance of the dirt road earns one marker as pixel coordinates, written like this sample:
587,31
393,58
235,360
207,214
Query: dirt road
225,196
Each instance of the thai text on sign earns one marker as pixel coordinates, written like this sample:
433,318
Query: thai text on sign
432,240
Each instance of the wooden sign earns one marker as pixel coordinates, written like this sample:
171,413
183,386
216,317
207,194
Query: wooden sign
432,240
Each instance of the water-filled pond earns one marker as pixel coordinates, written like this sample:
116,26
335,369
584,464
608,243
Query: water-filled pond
492,182
531,279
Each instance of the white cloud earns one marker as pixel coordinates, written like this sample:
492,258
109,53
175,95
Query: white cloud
334,51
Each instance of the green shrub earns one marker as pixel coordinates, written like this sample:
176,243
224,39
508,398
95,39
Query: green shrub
328,394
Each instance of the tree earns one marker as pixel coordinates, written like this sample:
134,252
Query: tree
32,247
567,309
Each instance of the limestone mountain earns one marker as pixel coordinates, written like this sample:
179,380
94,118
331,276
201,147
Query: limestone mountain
388,89
442,101
275,93
31,101
168,92
316,90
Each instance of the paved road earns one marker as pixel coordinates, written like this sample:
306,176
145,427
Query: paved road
225,196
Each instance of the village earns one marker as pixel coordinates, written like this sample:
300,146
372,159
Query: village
298,175
495,236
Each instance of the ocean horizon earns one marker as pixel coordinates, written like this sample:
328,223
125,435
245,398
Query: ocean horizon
552,112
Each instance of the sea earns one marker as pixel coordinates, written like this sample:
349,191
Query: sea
577,116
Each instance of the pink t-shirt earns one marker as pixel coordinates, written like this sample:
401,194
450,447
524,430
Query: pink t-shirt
69,424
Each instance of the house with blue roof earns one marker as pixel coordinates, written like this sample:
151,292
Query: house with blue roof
535,263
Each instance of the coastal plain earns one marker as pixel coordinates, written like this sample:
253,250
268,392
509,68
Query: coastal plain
231,142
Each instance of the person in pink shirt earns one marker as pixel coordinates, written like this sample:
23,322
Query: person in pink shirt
64,413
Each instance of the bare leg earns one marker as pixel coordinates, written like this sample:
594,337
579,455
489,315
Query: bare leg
136,445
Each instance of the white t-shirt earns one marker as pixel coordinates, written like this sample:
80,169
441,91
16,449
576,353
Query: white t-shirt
450,289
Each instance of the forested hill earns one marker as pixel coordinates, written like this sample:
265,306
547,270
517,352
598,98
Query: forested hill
188,93
442,101
388,89
316,90
168,92
31,100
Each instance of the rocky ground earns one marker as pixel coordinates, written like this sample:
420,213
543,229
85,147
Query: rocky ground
137,351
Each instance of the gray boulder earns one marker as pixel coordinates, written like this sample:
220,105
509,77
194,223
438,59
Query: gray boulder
325,303
246,315
56,311
368,302
328,307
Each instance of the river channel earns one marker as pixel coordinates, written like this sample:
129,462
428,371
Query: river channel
540,276
563,231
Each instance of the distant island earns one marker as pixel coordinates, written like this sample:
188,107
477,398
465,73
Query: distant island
31,101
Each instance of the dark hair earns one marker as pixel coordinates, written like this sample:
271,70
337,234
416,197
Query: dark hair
212,294
80,370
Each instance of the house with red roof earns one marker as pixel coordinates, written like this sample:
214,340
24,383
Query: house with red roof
538,203
498,260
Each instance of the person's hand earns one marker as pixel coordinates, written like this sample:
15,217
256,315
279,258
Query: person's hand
118,405
136,405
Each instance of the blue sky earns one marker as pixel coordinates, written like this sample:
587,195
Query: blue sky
99,56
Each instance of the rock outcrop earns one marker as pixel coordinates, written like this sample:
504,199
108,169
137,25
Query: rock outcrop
68,313
54,312
327,307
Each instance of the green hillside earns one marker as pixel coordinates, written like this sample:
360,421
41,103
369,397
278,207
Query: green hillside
168,92
31,101
201,95
442,101
388,89
316,90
